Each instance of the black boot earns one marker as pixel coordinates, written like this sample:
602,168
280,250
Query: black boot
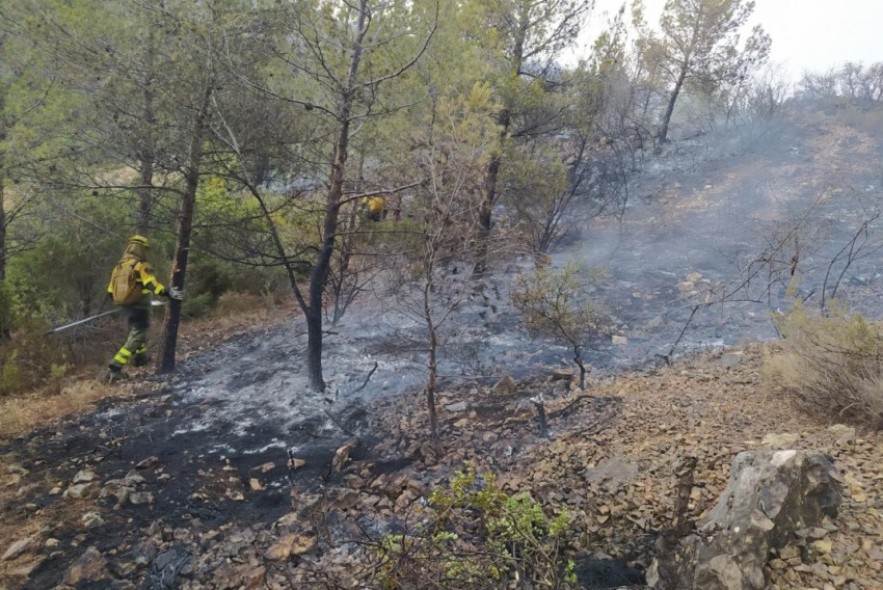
113,374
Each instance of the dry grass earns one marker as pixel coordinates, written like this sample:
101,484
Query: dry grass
25,412
77,393
832,365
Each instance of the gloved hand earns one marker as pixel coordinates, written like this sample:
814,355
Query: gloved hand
174,293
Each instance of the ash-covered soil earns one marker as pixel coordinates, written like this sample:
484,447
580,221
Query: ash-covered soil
232,473
114,501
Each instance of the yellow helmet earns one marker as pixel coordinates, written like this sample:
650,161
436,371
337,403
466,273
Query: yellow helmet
136,239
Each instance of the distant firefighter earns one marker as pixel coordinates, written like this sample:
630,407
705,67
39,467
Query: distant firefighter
374,207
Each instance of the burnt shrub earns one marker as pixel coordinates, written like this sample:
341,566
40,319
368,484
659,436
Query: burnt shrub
830,364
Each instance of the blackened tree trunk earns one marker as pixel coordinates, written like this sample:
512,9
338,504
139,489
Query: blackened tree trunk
670,109
432,365
489,196
319,272
169,340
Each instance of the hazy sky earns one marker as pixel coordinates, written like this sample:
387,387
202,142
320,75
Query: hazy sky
807,34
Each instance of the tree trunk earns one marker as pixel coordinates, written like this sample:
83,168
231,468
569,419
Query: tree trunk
433,362
2,222
663,132
148,149
5,328
578,359
169,339
489,197
319,273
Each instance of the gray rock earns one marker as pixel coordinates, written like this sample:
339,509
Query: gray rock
845,434
92,520
139,498
17,469
612,473
89,567
17,549
786,439
457,407
85,476
771,495
78,491
505,386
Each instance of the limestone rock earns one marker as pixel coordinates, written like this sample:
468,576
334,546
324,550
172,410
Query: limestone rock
78,491
505,386
612,474
770,496
91,566
457,407
92,520
342,455
85,476
17,548
780,440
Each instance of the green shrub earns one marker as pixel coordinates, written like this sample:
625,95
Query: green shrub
832,365
479,537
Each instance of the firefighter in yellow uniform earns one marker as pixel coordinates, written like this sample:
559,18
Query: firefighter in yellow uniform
375,207
138,311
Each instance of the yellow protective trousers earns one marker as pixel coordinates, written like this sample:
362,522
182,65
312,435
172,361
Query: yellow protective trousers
138,319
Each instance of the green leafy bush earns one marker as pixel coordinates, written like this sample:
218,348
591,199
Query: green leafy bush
831,364
479,537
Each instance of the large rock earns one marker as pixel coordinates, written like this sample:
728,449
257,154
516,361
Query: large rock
770,496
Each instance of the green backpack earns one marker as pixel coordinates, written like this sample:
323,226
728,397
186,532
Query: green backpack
124,284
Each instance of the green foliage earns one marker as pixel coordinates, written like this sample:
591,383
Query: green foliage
479,537
830,364
555,302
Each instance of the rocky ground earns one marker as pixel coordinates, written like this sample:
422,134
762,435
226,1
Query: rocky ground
97,503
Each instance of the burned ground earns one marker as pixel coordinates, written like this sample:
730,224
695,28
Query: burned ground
232,473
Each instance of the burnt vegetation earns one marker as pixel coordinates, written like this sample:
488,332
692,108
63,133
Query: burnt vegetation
428,169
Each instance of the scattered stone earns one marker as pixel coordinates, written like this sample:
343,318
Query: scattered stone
139,498
148,463
505,386
282,549
342,455
612,474
78,491
92,520
302,544
457,407
845,434
91,566
235,495
85,476
786,439
295,463
562,374
17,548
55,491
619,340
255,484
17,469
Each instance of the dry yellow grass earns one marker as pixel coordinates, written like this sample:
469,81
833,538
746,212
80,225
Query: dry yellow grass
20,414
75,394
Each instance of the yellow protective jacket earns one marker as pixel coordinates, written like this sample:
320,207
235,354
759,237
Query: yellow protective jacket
143,271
